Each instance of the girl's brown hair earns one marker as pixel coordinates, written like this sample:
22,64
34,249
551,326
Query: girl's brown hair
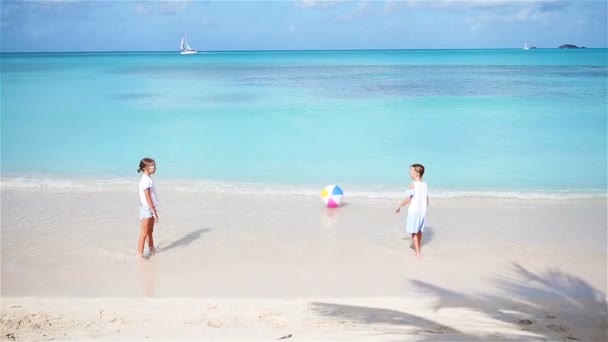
419,168
144,163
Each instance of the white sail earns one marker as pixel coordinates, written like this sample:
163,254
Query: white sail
185,47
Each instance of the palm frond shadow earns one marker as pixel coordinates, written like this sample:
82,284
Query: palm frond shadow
552,304
346,314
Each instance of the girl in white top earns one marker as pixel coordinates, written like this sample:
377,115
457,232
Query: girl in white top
147,205
417,196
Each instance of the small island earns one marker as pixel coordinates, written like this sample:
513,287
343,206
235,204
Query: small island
570,46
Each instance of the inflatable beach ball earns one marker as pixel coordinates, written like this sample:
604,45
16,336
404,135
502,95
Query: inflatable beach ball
332,196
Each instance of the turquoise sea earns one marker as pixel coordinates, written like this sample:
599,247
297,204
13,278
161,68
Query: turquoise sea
504,122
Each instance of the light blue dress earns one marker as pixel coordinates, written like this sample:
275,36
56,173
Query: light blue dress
416,211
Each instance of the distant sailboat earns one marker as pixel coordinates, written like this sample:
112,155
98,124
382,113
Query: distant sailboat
185,47
526,46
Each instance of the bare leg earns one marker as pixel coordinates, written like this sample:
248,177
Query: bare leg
417,241
142,236
413,244
150,238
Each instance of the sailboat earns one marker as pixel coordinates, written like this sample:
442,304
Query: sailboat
185,47
526,46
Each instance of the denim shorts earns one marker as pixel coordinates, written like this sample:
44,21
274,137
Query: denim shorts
145,212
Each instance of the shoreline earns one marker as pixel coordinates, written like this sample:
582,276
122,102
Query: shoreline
92,184
249,267
288,240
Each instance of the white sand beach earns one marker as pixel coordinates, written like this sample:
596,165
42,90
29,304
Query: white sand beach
243,267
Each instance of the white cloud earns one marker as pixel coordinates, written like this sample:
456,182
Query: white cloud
524,14
389,6
490,13
545,5
474,3
356,8
362,5
166,6
359,11
55,3
530,13
307,3
318,3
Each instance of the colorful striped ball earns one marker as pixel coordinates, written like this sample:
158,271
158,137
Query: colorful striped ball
332,196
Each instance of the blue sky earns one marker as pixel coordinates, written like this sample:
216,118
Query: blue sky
73,25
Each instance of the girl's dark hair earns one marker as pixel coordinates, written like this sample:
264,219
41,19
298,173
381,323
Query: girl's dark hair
144,163
419,168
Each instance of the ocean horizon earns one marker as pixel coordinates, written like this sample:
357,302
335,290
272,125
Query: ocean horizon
485,122
298,50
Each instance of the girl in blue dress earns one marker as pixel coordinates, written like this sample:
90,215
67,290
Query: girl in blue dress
417,196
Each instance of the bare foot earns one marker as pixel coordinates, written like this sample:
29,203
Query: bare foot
143,256
152,250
